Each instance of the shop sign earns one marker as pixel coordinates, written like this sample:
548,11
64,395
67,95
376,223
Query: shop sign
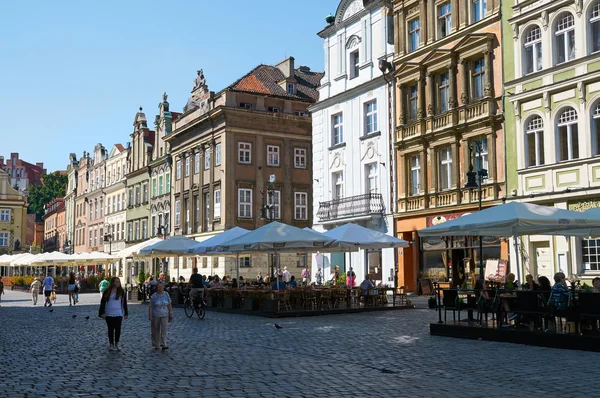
442,218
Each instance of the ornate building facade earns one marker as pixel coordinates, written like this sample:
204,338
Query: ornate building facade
448,68
13,211
115,192
552,90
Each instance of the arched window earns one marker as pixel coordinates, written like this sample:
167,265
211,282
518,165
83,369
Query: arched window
568,141
532,50
564,38
534,138
596,129
595,27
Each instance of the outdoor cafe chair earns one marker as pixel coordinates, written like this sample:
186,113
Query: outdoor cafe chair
284,300
589,306
530,305
487,306
325,299
450,302
309,300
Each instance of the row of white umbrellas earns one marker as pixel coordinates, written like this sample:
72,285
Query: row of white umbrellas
56,258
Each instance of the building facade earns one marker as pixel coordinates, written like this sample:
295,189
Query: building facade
95,197
552,90
13,212
71,194
22,173
239,149
54,225
115,193
82,204
137,177
352,159
448,68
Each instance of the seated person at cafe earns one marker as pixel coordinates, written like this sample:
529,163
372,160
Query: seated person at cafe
596,285
278,285
292,282
215,282
366,285
195,283
530,282
510,281
560,291
234,283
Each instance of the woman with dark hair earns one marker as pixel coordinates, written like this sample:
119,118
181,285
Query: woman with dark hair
71,288
113,308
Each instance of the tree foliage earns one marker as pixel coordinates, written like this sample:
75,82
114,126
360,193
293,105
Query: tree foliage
54,185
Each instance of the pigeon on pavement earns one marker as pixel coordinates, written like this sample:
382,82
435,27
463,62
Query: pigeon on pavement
52,310
87,317
278,327
74,316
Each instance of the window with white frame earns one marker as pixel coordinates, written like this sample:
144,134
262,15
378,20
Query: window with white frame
481,159
108,208
217,205
5,215
186,220
594,27
244,203
415,174
123,205
414,34
177,213
568,140
144,229
154,186
245,262
371,117
136,233
178,170
197,163
300,158
372,178
207,159
534,136
446,168
160,185
443,92
167,182
596,129
301,205
412,102
129,232
218,155
4,239
532,58
275,202
244,152
187,165
478,78
145,193
444,20
338,185
565,38
91,240
272,155
291,88
590,253
115,202
355,64
337,129
478,9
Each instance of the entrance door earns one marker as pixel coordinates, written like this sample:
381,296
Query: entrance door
543,264
458,267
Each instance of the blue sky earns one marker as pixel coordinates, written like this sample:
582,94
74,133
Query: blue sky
75,72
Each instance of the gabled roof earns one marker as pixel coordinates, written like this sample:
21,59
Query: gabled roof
264,79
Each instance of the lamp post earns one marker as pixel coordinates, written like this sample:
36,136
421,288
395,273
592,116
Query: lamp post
108,238
474,181
267,210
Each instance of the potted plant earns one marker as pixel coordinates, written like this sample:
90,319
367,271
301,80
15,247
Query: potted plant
461,303
431,302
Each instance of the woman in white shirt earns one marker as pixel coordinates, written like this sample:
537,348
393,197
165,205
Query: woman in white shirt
113,308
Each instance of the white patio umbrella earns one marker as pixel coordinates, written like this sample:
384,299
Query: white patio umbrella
513,219
131,251
591,232
351,236
278,237
95,258
176,246
210,245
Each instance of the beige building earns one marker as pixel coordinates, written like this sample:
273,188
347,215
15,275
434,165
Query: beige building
228,145
13,211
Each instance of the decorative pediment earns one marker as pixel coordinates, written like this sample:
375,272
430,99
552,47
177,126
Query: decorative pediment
348,8
475,43
437,56
114,151
408,71
353,41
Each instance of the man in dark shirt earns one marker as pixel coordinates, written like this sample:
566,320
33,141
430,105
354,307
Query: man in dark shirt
195,284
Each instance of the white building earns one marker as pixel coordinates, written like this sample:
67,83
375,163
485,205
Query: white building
70,196
115,191
352,159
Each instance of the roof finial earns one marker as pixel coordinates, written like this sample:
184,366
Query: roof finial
140,108
165,96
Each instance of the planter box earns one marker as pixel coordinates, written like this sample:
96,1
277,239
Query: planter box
232,303
211,302
250,304
270,306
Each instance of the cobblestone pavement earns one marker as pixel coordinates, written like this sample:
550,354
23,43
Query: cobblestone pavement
52,354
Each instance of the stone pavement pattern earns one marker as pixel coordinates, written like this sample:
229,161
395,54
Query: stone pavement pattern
389,354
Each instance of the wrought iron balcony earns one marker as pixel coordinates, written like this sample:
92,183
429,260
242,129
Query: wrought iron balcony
368,204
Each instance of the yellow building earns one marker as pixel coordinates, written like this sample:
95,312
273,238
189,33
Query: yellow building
13,212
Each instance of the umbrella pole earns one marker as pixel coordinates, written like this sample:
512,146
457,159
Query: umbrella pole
237,263
517,255
177,259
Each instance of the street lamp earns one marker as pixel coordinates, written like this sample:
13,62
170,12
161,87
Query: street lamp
108,238
474,181
267,210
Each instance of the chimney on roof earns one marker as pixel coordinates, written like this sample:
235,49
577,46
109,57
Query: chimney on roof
286,67
304,68
1,160
40,165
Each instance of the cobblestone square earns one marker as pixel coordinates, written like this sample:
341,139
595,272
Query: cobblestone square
54,354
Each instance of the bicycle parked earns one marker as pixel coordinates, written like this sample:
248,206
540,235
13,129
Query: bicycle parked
198,306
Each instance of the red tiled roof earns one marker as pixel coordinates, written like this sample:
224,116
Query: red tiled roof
175,115
264,78
120,147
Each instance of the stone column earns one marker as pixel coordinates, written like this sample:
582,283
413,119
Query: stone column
424,20
200,184
423,163
431,85
402,32
491,143
191,203
400,100
211,188
455,15
420,96
464,95
404,172
397,32
430,21
488,91
433,167
455,165
452,94
464,12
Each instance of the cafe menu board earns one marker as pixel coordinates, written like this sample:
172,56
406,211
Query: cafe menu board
426,287
502,266
495,269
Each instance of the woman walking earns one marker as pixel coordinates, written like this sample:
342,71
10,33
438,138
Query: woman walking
35,290
71,288
160,314
113,308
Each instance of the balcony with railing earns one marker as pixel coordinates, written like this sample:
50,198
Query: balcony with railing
472,112
359,206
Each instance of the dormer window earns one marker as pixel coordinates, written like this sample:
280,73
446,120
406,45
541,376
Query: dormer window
354,61
245,105
273,109
291,88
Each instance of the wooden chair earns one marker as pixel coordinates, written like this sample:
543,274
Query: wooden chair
285,301
325,299
309,300
355,296
400,296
